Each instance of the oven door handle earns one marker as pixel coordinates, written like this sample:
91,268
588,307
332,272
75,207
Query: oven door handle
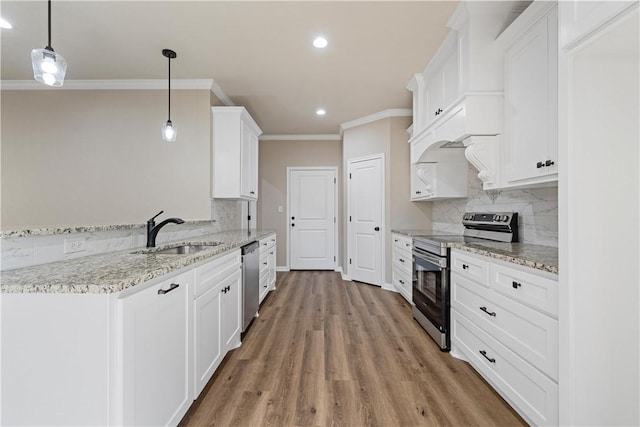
433,259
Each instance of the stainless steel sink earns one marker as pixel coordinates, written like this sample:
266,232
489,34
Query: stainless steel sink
185,249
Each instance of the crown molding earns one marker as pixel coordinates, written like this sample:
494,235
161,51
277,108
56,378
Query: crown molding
396,112
222,96
308,137
144,84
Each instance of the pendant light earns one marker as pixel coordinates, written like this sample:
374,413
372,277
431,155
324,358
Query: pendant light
169,131
49,67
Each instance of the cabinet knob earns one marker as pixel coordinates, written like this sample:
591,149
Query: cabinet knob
418,192
264,263
549,163
377,229
539,165
400,259
252,192
515,284
401,281
465,266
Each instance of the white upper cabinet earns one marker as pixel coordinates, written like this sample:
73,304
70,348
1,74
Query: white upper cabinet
458,98
580,19
235,153
530,142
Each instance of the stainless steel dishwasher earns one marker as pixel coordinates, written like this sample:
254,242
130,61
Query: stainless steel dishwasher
250,283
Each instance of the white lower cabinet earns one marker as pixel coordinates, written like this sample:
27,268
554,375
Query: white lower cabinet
155,353
137,358
216,315
267,275
402,264
509,334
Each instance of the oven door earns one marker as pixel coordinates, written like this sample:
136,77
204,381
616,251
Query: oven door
431,288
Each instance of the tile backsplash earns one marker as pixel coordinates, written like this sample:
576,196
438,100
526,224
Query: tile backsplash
537,210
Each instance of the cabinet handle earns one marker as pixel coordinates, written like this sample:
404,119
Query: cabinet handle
515,284
270,253
549,163
395,240
539,165
252,192
490,359
401,281
490,313
465,266
407,244
264,263
400,259
418,192
172,287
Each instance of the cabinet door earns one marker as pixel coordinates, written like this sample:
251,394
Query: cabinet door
434,94
208,336
450,81
531,103
231,319
155,355
247,160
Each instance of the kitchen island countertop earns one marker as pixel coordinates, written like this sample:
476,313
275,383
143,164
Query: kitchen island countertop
116,271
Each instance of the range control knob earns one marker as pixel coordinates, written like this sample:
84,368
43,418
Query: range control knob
505,218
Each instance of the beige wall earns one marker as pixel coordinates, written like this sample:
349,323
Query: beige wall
275,157
74,157
387,136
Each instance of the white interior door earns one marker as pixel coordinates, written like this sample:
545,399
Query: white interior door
312,218
366,201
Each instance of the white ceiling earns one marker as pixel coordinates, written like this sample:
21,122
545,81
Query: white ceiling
259,53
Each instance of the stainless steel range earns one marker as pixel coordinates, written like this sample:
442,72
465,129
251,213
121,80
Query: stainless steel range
431,267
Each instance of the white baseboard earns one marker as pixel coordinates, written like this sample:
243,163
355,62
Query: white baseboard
338,269
345,277
282,268
389,287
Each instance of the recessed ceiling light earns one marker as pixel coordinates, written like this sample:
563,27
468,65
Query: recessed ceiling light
320,42
5,24
320,112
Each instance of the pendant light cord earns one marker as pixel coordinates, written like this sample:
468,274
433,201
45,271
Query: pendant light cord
49,44
169,104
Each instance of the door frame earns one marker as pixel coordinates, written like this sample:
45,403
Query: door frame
383,229
334,169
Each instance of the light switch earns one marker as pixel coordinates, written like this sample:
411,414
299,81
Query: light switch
280,209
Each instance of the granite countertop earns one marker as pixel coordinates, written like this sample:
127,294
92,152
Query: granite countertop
115,271
47,231
544,258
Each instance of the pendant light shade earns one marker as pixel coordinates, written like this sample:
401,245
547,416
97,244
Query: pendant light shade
49,67
169,131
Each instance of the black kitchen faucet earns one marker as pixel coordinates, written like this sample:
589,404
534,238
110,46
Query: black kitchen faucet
152,228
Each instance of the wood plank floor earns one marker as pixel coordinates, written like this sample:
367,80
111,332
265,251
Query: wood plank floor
328,352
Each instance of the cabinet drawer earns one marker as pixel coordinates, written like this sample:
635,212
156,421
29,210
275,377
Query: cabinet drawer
402,242
213,272
402,260
402,282
530,392
470,267
525,331
530,289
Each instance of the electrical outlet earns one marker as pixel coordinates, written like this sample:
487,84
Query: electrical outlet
77,244
280,209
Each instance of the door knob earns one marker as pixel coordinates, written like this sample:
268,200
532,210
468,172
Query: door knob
377,228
